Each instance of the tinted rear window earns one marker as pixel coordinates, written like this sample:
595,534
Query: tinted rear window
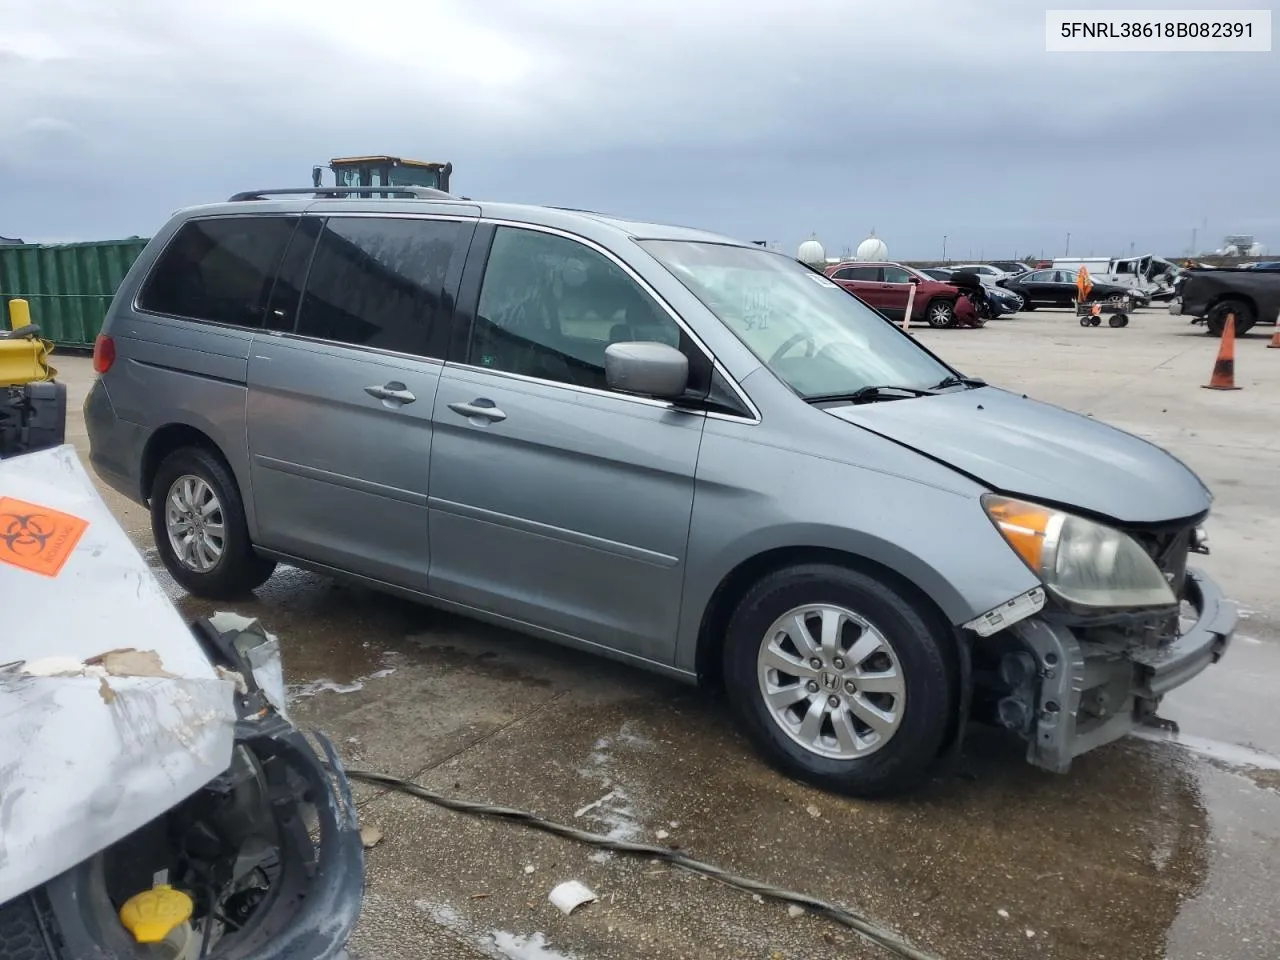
858,273
378,282
219,270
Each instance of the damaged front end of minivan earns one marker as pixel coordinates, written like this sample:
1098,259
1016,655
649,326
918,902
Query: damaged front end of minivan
1119,621
155,799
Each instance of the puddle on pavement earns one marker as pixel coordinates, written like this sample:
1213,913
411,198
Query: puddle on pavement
478,657
329,632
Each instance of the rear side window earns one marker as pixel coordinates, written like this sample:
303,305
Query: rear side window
218,270
378,282
859,273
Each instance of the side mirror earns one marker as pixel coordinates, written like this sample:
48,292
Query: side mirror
646,368
915,280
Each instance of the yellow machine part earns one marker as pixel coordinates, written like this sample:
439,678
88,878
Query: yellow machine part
25,360
154,914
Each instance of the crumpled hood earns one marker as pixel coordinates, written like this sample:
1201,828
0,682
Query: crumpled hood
1031,449
110,712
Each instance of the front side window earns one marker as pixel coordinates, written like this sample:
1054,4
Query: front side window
378,282
550,306
896,275
816,337
218,270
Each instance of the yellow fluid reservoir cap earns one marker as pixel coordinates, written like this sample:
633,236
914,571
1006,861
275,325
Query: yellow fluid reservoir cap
153,914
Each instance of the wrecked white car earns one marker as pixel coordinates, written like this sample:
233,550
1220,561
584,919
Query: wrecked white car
155,800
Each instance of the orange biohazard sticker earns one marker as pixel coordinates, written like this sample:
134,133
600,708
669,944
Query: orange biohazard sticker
37,538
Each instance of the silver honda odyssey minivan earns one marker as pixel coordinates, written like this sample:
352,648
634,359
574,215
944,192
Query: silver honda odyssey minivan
661,445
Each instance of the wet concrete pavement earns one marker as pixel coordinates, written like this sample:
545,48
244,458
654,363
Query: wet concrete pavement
1145,850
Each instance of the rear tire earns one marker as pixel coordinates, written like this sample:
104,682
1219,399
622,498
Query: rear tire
1027,305
1216,318
197,520
872,717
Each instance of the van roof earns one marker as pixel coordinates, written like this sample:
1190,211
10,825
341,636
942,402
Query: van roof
587,223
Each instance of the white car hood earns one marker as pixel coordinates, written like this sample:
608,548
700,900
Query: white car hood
91,751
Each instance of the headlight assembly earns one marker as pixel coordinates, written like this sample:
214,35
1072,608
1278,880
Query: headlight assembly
1085,564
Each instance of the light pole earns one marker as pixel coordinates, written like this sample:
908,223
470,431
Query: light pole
944,248
1067,252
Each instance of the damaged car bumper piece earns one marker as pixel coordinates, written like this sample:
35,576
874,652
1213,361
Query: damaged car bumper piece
1072,689
147,762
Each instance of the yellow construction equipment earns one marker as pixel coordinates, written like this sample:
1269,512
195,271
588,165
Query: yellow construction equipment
33,406
385,171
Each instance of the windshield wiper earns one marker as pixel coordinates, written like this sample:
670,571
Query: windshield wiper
959,381
870,394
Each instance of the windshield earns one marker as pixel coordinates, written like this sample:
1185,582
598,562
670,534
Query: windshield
814,336
415,177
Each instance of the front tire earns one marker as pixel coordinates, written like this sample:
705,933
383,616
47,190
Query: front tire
197,520
940,313
839,681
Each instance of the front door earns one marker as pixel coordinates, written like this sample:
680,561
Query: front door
554,501
1063,291
341,393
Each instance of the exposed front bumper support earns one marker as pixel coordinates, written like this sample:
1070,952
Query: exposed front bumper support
1130,682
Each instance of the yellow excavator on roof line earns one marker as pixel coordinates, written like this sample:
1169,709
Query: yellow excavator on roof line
385,171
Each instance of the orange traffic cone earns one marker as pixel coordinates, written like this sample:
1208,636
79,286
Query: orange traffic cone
1275,337
1224,368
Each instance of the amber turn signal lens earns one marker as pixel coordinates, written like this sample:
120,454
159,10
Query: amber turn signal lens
1024,525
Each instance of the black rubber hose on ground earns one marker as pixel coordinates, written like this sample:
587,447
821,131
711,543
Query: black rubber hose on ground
877,934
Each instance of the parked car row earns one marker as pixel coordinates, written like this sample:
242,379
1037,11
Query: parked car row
887,288
1057,288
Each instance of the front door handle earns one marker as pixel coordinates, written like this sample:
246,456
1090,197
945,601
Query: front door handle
480,407
395,391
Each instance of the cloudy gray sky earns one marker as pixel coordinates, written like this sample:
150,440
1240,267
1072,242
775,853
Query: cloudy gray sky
764,120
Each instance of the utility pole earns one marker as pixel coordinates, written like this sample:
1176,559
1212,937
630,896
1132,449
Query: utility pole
944,248
1067,253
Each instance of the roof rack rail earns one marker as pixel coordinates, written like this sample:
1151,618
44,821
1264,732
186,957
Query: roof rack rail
417,193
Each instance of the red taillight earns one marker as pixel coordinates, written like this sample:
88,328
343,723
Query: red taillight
104,353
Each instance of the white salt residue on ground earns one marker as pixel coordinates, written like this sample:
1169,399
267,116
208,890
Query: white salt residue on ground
617,812
533,947
298,691
442,915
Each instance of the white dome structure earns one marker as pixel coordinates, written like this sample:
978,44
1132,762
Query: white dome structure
811,252
872,248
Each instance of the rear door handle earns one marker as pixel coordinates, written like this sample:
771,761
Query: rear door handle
395,392
480,407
